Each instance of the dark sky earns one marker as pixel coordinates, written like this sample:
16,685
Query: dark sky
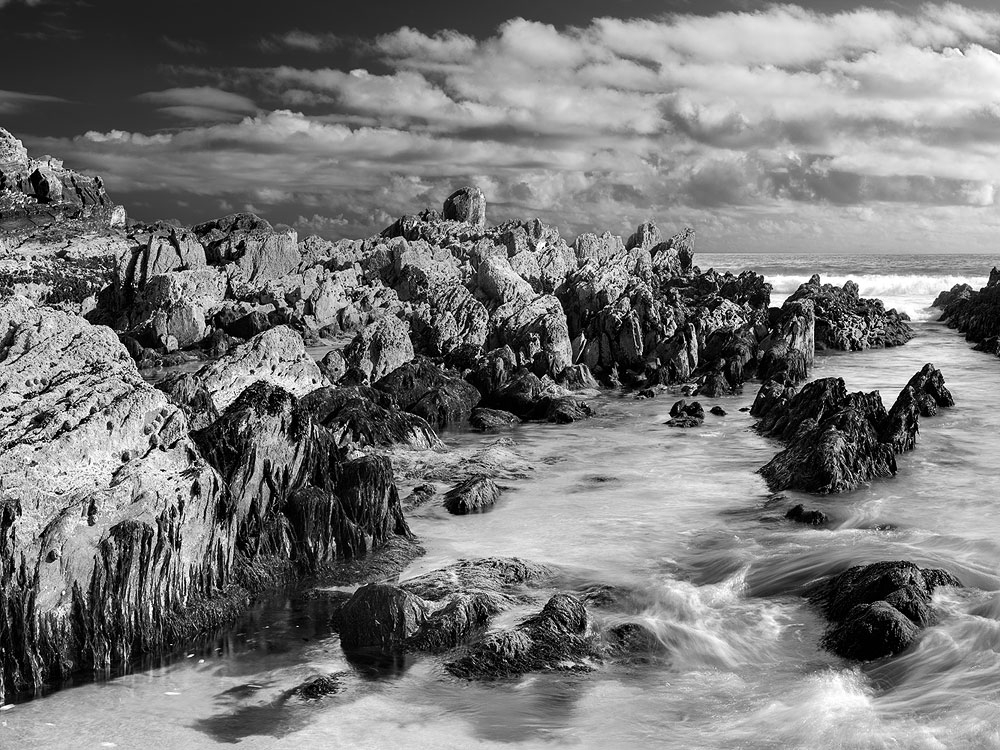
767,126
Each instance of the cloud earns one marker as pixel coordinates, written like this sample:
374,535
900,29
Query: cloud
300,40
199,103
747,123
30,3
184,46
16,102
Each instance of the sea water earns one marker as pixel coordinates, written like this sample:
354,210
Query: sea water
681,519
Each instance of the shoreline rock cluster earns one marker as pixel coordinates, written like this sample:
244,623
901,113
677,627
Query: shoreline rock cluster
132,514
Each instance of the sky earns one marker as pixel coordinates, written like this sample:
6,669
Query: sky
826,126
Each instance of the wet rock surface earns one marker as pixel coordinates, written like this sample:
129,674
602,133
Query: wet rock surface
878,610
837,441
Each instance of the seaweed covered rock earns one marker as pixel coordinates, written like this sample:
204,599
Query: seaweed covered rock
423,388
365,418
839,440
975,313
489,420
877,610
846,321
471,496
557,638
684,414
436,611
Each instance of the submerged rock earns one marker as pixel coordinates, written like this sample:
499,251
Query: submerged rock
877,610
799,514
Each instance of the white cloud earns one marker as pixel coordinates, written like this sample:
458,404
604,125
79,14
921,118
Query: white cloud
843,119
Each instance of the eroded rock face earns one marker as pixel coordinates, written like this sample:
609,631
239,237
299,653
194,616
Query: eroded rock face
173,310
277,356
877,610
106,516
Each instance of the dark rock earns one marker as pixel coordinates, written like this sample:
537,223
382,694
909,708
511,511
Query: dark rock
787,353
379,616
367,417
420,387
471,496
693,410
249,325
799,514
930,381
421,495
318,687
876,610
565,410
956,293
488,420
556,638
718,411
577,378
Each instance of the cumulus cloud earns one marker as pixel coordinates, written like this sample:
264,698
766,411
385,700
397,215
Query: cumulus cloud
748,124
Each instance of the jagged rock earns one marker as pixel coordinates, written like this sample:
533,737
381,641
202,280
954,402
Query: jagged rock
250,249
419,496
959,292
799,514
422,388
380,348
976,314
556,638
365,417
877,610
489,420
106,508
839,440
471,496
247,326
846,321
467,205
566,409
277,356
318,687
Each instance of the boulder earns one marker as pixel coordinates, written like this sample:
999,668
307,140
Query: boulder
788,351
173,310
157,249
366,418
379,616
380,348
500,283
535,330
877,610
466,205
474,495
799,514
333,366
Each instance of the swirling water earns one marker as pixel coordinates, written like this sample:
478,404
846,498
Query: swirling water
680,519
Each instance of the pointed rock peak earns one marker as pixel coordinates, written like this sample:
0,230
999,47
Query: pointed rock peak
12,151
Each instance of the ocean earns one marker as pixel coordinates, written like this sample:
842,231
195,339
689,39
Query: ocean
681,519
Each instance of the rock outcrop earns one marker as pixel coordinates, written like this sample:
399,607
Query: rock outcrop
846,321
836,440
976,314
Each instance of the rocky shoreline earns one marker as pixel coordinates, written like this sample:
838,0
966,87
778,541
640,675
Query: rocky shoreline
134,515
